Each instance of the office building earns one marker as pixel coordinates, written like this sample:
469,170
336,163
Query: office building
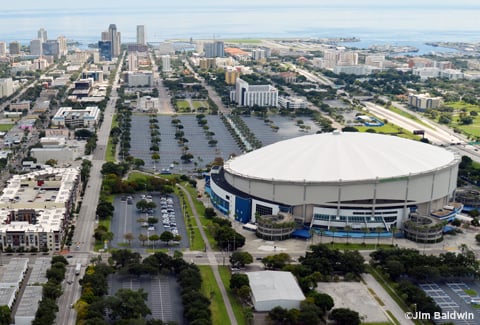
36,47
292,103
62,45
14,48
51,48
250,95
424,101
77,118
231,75
215,49
6,87
105,50
3,49
258,54
141,35
42,35
132,61
166,63
139,78
114,37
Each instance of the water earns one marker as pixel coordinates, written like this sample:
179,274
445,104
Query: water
373,21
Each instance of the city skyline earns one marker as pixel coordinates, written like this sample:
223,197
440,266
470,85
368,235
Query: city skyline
408,20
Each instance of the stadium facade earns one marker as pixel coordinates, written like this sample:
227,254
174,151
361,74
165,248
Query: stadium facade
334,180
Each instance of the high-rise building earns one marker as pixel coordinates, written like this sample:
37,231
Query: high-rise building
51,48
42,35
132,62
114,37
105,50
166,63
214,50
62,45
231,75
6,87
14,48
141,39
36,47
3,49
250,95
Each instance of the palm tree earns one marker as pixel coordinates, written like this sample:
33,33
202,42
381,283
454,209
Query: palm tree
365,231
348,228
378,230
333,230
322,231
393,229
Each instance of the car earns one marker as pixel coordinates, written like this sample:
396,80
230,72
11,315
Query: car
129,201
69,256
69,281
199,255
259,258
151,228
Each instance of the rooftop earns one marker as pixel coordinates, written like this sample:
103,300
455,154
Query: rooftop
333,157
274,285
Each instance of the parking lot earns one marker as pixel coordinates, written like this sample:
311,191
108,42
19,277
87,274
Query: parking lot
128,219
163,291
452,297
203,153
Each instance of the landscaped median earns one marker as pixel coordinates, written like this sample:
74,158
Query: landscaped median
211,290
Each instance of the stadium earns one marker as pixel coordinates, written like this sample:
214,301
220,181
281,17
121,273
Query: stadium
356,182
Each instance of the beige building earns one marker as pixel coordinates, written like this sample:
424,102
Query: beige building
424,101
35,208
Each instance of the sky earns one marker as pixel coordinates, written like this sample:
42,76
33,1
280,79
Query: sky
443,20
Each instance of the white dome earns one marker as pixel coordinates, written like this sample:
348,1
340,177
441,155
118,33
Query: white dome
349,156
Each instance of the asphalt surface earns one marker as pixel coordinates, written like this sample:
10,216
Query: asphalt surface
125,221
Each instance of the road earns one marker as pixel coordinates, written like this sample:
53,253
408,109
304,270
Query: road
86,221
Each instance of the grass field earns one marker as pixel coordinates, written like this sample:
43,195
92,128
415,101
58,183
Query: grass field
199,103
390,129
472,129
236,305
110,154
183,106
212,292
6,127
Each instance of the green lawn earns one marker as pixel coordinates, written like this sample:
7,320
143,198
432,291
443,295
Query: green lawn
390,129
236,304
472,129
199,103
206,223
197,244
6,127
183,106
110,154
212,292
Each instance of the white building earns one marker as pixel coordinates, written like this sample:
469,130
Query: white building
359,70
166,63
292,102
75,118
274,288
250,95
6,87
451,74
427,72
59,149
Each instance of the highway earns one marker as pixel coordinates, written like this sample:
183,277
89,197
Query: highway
86,221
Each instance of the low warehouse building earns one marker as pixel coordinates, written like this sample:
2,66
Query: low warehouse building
274,288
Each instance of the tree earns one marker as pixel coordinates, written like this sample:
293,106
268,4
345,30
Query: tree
104,209
5,315
51,162
348,228
238,280
154,238
166,236
143,238
152,220
123,257
277,261
129,237
240,259
345,316
322,300
128,304
142,205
